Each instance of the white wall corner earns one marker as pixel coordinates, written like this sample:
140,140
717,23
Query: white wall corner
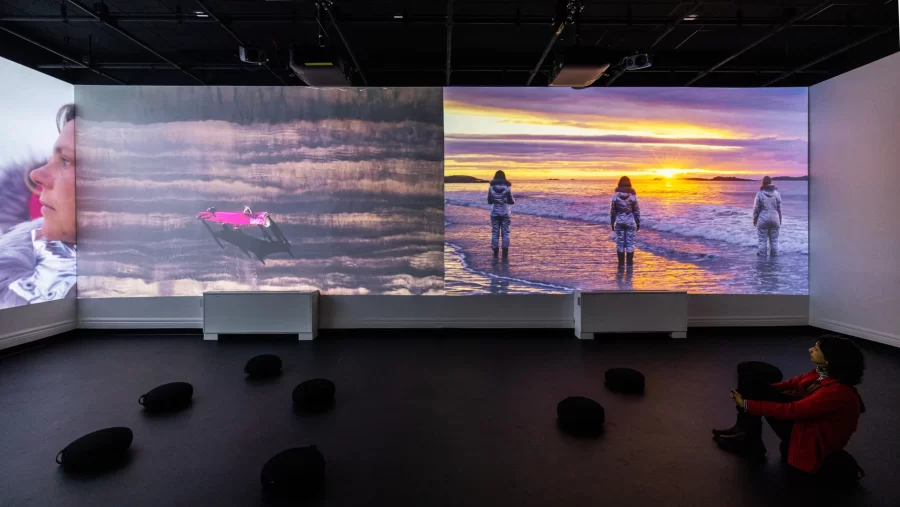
874,335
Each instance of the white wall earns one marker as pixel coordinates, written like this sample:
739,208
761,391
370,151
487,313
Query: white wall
854,202
25,324
419,312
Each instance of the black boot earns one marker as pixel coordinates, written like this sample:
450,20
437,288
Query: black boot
496,251
621,256
747,441
732,430
506,251
630,260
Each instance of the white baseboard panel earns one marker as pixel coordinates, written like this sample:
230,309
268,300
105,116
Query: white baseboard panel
749,321
857,331
469,323
139,323
35,333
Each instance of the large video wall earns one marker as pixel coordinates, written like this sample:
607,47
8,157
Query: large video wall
397,191
37,187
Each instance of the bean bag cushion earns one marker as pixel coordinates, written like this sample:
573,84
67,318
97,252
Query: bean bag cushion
315,395
765,372
168,397
265,365
99,450
625,380
580,415
294,475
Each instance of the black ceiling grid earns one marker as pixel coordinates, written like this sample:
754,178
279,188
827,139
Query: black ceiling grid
493,42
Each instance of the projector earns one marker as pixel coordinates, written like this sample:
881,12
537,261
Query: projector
252,56
320,69
637,62
578,67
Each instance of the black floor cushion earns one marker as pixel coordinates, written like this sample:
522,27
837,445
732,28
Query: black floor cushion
625,380
99,450
314,395
293,475
581,415
763,371
168,397
265,365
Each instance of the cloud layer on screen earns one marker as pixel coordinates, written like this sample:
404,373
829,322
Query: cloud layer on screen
600,132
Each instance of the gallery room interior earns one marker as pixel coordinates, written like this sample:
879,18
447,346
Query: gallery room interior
556,252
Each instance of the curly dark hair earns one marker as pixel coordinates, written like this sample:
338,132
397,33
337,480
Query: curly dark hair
65,114
845,360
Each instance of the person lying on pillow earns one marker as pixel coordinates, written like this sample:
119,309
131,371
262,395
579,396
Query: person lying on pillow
813,414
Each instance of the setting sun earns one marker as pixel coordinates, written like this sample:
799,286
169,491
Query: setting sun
668,172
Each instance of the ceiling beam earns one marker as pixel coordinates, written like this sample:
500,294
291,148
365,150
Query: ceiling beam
93,68
721,22
571,7
234,36
811,12
111,24
328,6
434,69
673,25
834,53
449,39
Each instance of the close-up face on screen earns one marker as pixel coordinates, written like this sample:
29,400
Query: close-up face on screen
183,190
548,190
37,187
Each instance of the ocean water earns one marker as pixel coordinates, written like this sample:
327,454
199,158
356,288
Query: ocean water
695,236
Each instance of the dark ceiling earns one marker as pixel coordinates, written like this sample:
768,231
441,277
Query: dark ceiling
411,43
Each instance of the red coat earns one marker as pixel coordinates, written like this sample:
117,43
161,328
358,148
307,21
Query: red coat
823,419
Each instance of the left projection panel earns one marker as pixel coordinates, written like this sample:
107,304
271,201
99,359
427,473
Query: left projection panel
37,187
187,189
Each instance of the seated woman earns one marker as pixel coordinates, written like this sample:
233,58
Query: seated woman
813,414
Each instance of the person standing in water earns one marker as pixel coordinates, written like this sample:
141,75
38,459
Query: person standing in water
625,219
767,217
500,196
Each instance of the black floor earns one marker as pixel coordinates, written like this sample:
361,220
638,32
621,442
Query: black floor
465,419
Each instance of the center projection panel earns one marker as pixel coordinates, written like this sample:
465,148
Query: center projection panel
183,190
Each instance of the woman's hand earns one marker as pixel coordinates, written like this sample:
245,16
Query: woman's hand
754,222
738,399
613,227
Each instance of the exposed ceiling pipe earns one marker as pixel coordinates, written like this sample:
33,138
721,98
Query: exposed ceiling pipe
836,52
90,12
449,40
569,14
91,67
677,22
234,36
815,10
327,5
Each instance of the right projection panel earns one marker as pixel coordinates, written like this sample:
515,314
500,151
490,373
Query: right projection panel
535,201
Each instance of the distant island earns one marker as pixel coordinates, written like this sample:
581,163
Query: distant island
733,178
463,179
717,178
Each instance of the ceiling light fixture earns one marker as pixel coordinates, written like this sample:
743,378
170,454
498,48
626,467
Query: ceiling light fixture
691,17
201,14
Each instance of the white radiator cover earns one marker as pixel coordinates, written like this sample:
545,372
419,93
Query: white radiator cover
261,313
630,312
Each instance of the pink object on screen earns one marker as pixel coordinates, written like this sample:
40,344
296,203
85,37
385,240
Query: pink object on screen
34,206
236,219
